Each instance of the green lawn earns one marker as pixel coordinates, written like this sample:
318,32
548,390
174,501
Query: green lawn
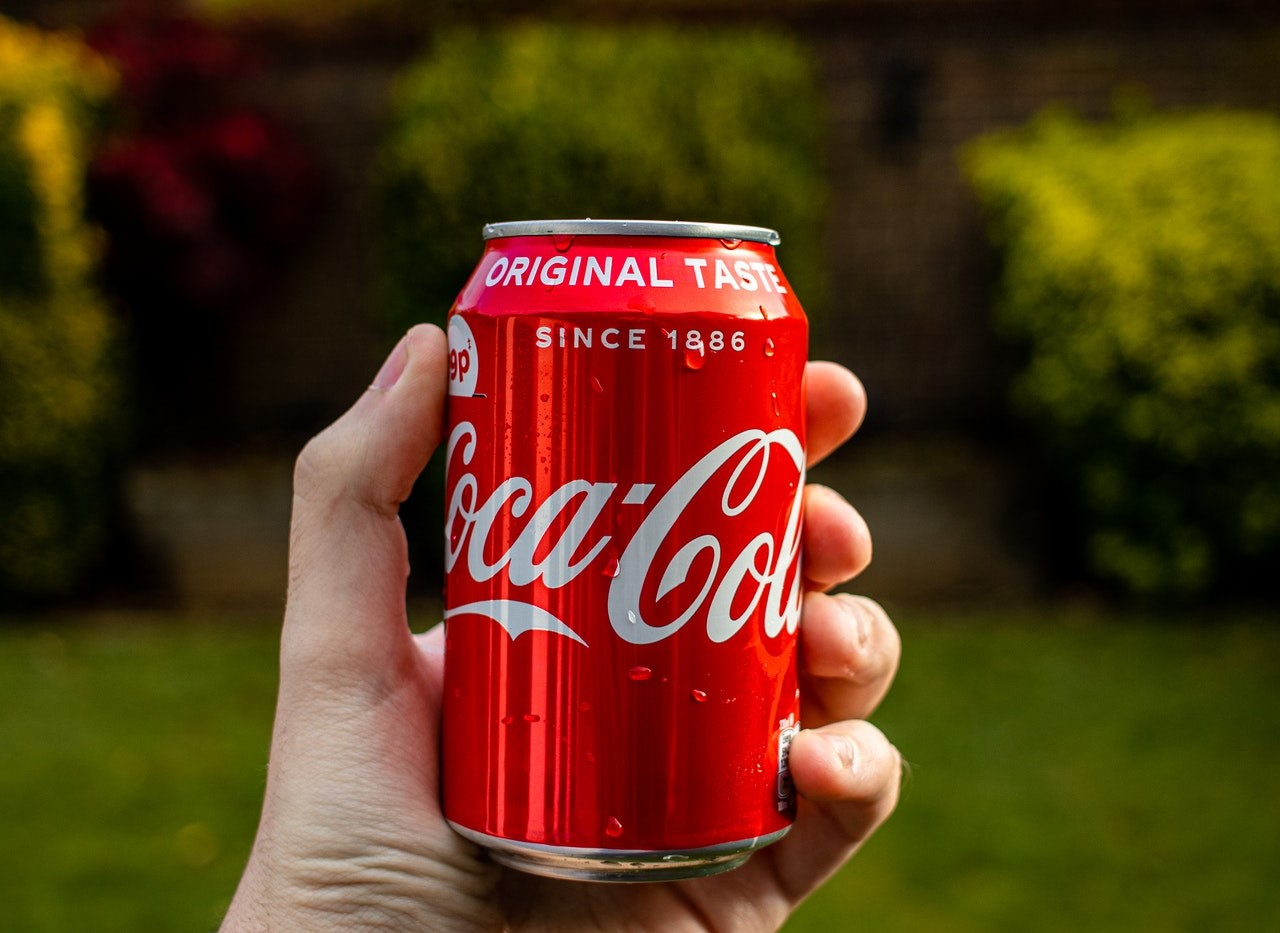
1076,773
1070,772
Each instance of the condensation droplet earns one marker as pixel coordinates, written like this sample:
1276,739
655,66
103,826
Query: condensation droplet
613,828
698,696
640,672
631,617
508,720
769,346
694,358
531,717
612,567
730,242
584,707
544,397
596,386
777,409
591,757
763,313
562,241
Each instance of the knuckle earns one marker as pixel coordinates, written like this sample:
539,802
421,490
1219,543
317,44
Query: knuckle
872,645
320,468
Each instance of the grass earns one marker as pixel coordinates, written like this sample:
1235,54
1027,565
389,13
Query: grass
134,760
1069,772
1076,773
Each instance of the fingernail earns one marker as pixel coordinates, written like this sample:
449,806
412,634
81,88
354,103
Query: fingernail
392,369
841,748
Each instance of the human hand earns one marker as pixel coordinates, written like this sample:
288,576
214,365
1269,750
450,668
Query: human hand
352,836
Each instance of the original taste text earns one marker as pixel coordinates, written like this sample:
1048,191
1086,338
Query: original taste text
643,272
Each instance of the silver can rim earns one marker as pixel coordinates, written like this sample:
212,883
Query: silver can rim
623,865
672,228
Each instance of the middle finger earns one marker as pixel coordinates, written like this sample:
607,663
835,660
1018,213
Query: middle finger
837,543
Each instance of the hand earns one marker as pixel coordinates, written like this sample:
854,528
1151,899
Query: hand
352,836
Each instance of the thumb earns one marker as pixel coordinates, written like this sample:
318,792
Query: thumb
348,560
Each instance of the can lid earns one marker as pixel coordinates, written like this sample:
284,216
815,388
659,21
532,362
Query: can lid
589,227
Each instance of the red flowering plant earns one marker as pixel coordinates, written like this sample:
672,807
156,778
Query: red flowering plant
202,196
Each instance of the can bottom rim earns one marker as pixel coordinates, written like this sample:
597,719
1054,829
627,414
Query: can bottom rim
618,865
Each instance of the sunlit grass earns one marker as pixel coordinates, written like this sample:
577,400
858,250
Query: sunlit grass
1075,773
134,760
1069,773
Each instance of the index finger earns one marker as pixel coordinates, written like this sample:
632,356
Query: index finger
835,405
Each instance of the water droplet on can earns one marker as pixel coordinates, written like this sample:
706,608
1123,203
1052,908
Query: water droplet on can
596,386
730,242
611,568
769,346
698,696
562,241
631,617
763,313
584,707
544,397
694,358
613,828
531,717
508,720
777,409
639,672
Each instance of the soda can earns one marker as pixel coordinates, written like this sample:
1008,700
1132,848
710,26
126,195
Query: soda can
624,480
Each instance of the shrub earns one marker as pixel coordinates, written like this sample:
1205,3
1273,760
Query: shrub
302,11
1142,275
58,385
204,197
538,121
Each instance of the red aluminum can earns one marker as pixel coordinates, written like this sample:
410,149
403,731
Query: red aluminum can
625,468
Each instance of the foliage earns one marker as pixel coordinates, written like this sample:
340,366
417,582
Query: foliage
1142,275
204,199
537,121
202,194
59,390
304,12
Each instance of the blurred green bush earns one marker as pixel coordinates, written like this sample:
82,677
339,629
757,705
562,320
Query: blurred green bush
59,387
1141,272
540,121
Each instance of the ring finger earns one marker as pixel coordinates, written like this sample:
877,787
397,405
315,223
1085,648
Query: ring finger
849,653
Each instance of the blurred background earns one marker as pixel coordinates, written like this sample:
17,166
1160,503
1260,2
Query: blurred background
1047,238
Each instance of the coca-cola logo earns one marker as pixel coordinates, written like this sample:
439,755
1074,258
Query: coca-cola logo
762,579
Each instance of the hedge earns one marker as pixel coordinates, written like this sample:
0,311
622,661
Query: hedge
538,121
1141,275
59,388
